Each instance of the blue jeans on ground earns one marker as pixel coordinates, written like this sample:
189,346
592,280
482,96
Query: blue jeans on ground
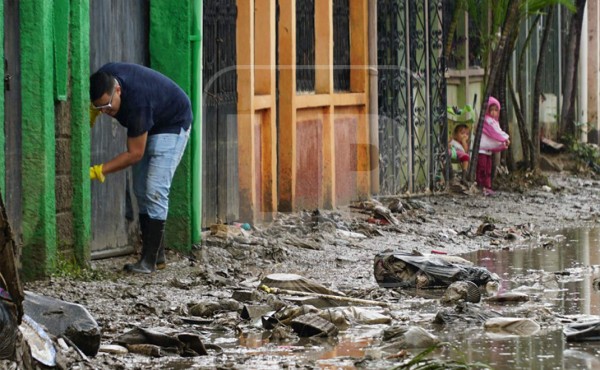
153,174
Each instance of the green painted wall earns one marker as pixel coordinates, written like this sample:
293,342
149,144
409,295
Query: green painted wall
196,137
38,147
42,60
170,54
80,129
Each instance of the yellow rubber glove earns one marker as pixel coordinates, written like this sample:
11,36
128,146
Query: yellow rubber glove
94,113
96,173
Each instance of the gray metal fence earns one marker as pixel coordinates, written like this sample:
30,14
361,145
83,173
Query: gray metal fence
412,97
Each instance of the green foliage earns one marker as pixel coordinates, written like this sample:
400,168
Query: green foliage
583,152
422,362
534,6
488,28
71,269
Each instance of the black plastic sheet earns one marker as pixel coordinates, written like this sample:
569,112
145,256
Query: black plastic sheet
405,270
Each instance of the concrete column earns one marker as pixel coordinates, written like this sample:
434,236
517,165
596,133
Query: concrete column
38,145
80,130
170,54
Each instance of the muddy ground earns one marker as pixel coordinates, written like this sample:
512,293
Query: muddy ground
309,244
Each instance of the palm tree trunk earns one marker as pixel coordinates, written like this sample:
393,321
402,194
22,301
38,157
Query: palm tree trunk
537,92
501,88
567,118
525,141
526,144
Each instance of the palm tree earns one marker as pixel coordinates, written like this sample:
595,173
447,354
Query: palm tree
567,119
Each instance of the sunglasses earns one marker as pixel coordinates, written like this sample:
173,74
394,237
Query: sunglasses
109,104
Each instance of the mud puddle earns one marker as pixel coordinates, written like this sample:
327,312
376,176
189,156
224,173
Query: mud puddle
559,278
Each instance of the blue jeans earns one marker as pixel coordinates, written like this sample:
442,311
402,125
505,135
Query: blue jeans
153,174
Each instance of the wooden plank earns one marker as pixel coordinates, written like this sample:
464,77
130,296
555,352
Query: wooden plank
287,105
269,163
269,129
359,46
363,155
263,102
324,86
304,101
309,158
245,87
329,162
257,128
324,47
263,45
346,123
350,99
325,100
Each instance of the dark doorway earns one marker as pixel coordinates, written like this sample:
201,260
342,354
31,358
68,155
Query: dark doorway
12,117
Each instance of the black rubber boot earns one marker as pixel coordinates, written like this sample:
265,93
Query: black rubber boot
161,262
151,238
143,224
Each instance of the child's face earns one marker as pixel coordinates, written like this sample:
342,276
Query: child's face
494,112
462,134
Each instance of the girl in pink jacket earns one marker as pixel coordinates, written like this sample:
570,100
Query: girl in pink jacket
493,139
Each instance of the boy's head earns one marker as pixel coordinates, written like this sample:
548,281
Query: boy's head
460,131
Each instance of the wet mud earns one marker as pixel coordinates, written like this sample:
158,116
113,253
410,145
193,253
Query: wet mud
205,292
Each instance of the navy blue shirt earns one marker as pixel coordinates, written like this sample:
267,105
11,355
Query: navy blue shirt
150,101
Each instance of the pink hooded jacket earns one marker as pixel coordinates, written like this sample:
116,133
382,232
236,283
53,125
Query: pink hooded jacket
493,138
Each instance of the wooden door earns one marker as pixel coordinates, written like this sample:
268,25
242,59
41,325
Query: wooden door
118,33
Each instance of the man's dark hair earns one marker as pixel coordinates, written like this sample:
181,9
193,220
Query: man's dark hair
100,83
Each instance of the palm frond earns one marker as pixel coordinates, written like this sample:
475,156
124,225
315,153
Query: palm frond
534,6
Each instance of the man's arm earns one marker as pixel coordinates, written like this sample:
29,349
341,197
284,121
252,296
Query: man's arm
135,151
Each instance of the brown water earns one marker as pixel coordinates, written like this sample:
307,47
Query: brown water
559,277
557,273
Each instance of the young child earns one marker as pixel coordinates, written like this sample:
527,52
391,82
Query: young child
493,139
460,145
